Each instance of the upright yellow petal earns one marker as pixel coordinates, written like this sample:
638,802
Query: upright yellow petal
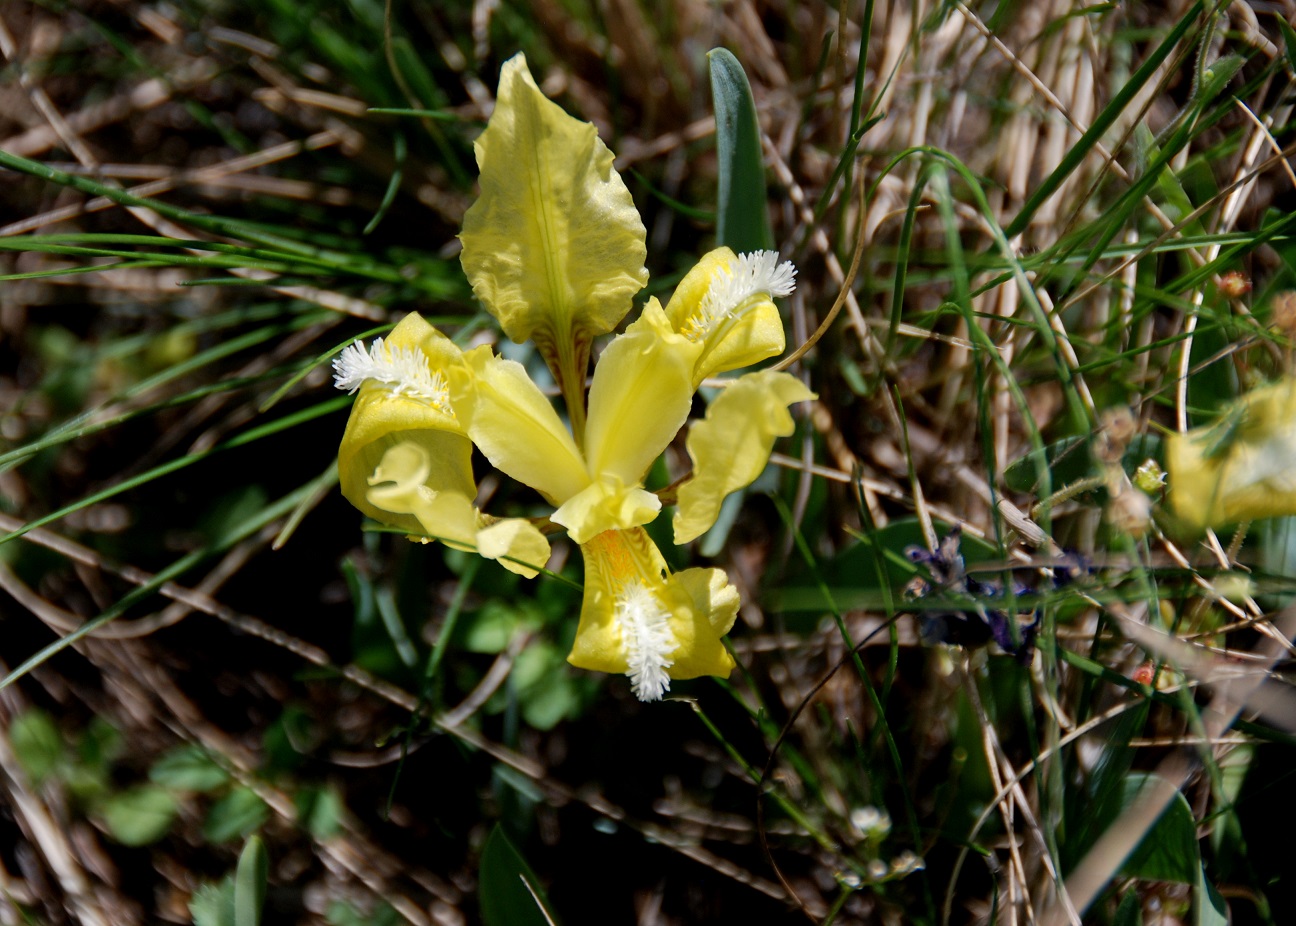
638,619
1241,468
554,247
731,446
725,304
513,424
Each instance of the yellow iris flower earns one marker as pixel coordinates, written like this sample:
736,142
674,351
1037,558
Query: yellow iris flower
554,249
1242,467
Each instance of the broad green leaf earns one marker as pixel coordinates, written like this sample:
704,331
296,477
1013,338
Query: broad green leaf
139,816
36,741
188,768
233,816
554,244
250,883
509,891
743,219
1168,851
1209,908
492,627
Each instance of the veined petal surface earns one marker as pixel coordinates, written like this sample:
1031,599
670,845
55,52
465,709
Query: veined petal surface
554,246
513,424
731,446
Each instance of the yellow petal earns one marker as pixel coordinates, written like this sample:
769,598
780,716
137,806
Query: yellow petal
725,305
513,424
1241,468
554,247
640,397
403,396
711,616
606,505
406,483
732,445
517,544
639,620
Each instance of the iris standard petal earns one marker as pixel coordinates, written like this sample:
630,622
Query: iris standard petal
554,244
731,446
513,424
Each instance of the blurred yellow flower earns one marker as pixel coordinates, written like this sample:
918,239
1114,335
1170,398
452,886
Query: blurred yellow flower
555,250
1243,466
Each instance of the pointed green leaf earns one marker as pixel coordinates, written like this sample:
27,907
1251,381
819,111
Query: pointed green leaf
250,883
236,814
509,891
743,219
188,768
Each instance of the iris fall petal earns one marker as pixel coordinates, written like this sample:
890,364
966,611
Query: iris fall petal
638,619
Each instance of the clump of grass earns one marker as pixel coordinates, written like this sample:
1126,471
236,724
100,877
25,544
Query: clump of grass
986,674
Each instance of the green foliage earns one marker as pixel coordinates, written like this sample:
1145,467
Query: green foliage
1032,260
234,816
38,744
188,768
239,897
341,913
742,222
1168,851
250,883
140,815
510,892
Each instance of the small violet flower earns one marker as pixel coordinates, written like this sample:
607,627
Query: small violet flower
555,249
